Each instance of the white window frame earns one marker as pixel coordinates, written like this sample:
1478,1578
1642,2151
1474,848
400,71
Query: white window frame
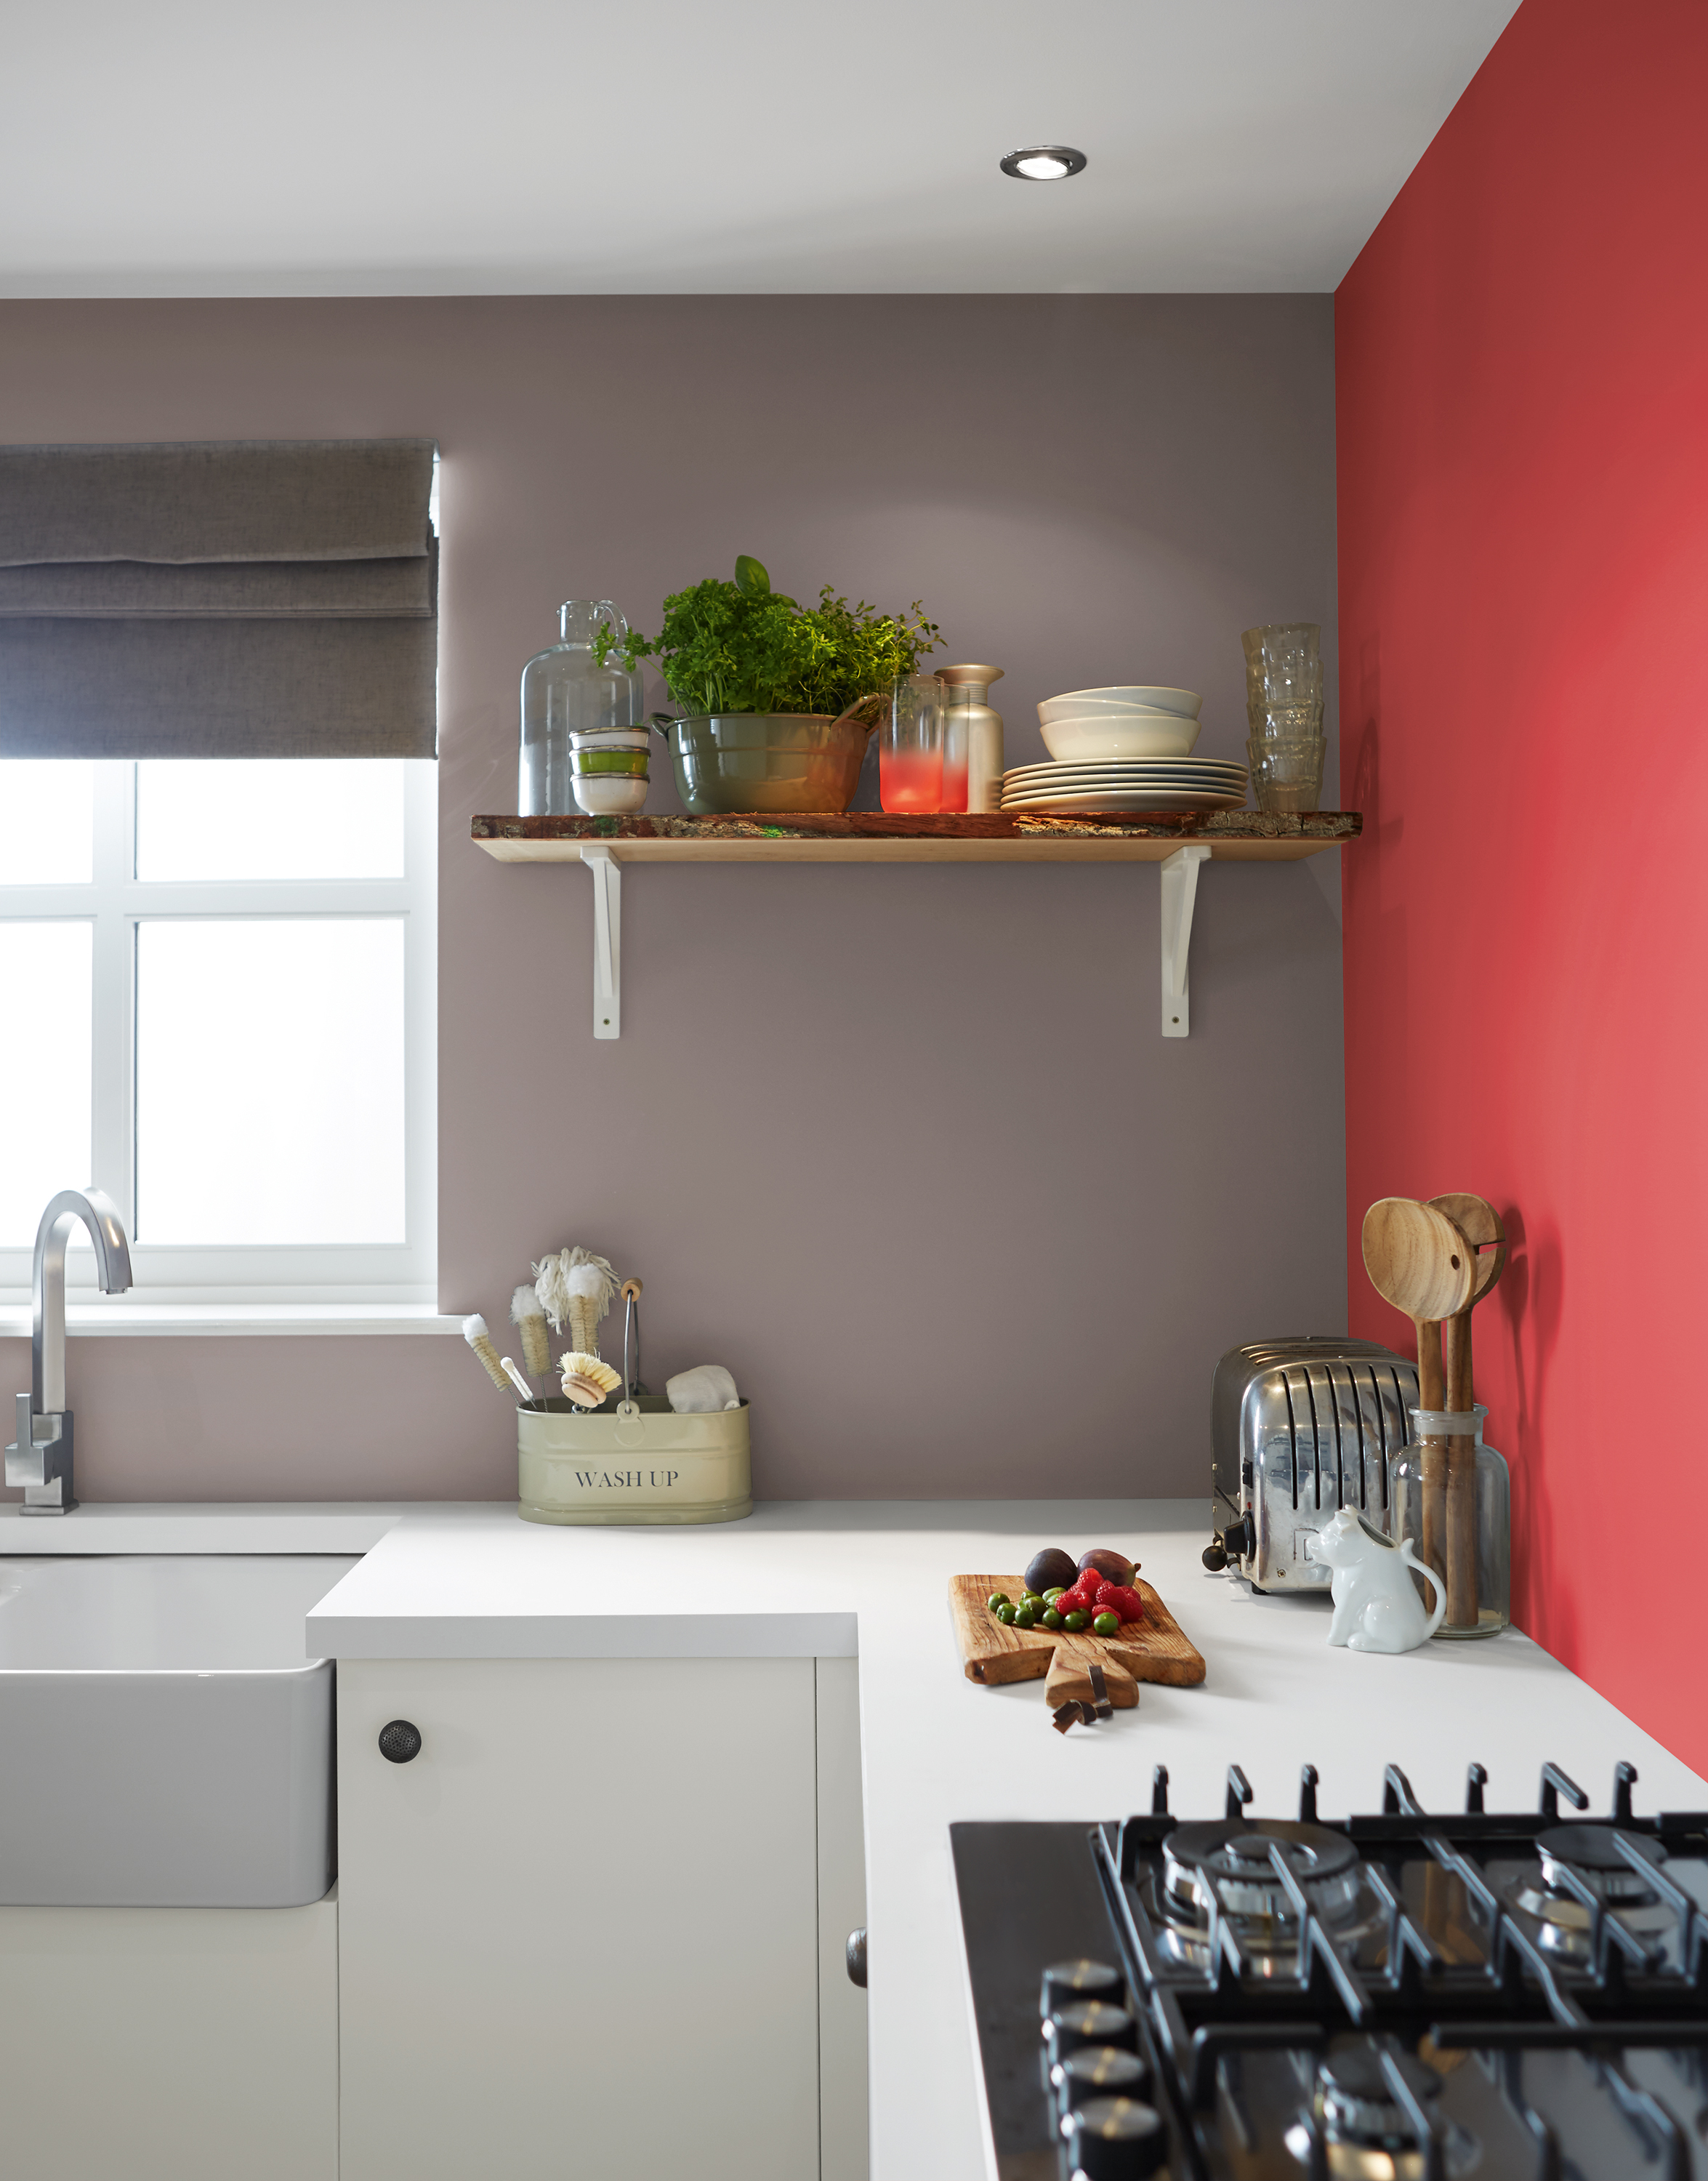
115,903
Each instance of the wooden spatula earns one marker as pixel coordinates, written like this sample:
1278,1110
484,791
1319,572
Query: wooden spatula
1479,1223
1420,1261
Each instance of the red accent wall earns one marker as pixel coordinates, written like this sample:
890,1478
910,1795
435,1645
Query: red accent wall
1522,388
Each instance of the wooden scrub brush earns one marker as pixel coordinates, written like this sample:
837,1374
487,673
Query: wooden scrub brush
586,1380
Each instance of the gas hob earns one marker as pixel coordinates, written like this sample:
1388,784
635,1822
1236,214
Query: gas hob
1405,1996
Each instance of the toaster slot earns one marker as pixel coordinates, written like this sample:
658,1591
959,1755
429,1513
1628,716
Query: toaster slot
1310,1437
1333,1450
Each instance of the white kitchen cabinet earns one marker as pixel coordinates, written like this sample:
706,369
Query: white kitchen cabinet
580,1931
169,2044
843,2131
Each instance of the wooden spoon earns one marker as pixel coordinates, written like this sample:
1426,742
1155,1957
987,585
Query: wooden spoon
1480,1223
1419,1261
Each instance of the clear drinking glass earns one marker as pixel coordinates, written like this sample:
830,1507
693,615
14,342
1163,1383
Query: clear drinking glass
910,747
1283,665
1284,723
1407,1488
1286,775
565,693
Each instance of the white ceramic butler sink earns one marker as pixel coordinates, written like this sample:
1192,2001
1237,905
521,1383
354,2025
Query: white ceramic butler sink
164,1740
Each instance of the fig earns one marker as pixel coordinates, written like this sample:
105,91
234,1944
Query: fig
1049,1569
1112,1567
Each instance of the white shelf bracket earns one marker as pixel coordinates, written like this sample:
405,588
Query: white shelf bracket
608,938
1179,899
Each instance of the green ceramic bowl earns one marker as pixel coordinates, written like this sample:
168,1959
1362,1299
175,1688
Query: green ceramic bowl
767,761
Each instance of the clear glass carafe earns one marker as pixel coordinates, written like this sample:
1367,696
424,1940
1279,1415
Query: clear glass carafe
1419,1494
565,693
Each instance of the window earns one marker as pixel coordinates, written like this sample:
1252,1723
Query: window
219,979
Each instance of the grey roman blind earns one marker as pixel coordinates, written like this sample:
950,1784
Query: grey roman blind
248,597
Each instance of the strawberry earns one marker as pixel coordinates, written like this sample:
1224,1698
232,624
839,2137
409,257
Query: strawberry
1120,1598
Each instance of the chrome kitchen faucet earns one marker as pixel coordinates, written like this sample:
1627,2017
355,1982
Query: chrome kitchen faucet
40,1458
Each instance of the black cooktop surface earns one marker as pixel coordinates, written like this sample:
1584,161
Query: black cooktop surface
1406,1996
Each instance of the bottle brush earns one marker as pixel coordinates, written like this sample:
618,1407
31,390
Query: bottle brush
577,1285
528,1317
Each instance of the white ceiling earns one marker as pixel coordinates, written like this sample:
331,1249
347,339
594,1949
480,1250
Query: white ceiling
195,147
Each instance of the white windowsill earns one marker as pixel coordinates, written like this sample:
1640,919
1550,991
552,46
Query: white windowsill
127,1319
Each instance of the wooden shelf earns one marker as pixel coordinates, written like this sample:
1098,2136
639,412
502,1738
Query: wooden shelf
872,837
1178,846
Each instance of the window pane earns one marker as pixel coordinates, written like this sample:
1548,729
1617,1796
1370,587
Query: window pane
270,1080
269,818
45,974
46,821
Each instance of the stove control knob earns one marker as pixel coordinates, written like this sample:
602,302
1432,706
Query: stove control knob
1116,2140
1239,1539
1097,2071
1087,2022
1064,1982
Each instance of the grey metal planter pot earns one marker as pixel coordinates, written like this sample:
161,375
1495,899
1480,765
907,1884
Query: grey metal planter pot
771,761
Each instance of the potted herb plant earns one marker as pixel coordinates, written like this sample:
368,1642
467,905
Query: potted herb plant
779,699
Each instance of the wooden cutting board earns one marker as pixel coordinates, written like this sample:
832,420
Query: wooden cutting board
1153,1651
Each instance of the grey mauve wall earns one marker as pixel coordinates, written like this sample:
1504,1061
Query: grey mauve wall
903,1146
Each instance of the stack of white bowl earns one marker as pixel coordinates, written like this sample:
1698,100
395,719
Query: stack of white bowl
1124,747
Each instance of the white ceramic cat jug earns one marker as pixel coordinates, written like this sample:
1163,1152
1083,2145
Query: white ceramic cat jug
1376,1604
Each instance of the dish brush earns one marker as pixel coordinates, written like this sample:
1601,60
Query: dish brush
475,1332
577,1285
529,1317
586,1380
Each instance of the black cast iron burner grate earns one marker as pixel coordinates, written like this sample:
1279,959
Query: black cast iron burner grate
1406,1996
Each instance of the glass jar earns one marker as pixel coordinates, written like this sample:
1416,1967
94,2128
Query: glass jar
1421,1506
566,693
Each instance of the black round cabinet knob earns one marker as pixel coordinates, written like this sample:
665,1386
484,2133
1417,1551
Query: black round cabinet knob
855,1955
400,1739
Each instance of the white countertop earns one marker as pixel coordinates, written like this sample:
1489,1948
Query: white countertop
804,1578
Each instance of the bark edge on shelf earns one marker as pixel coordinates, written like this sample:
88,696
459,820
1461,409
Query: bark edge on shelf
876,836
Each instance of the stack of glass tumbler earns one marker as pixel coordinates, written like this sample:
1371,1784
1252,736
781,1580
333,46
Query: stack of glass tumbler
1284,713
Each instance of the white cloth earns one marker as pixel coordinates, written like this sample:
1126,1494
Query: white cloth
705,1387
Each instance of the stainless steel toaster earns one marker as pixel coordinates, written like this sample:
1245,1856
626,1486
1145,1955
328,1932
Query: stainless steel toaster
1300,1428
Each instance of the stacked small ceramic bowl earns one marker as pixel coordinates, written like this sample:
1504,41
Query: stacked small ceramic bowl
610,770
1283,712
1123,748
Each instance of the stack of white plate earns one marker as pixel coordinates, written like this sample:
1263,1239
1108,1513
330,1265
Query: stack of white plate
1153,783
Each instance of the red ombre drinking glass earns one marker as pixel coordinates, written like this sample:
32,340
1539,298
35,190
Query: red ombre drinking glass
910,747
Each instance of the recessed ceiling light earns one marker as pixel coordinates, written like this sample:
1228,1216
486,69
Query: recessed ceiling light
1043,163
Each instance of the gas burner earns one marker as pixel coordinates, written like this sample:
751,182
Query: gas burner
1362,2130
1590,1855
1231,1864
1478,1995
